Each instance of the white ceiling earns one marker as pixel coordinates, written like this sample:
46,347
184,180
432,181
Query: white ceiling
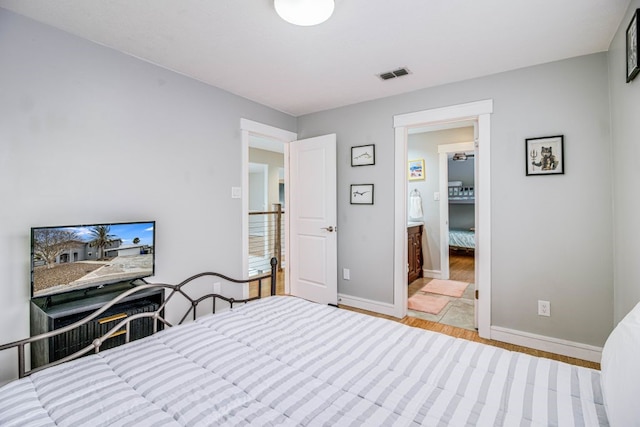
242,46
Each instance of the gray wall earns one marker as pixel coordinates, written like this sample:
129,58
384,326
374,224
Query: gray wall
274,162
462,171
625,130
551,235
91,135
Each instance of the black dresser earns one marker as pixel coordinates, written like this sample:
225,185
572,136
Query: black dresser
48,314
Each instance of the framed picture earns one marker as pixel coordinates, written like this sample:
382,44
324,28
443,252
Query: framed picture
416,169
361,194
545,156
632,47
363,155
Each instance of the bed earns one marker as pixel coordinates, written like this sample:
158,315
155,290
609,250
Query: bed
282,360
462,240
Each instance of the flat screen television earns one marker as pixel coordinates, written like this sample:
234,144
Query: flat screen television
73,257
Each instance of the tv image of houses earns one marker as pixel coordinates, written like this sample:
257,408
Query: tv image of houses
76,257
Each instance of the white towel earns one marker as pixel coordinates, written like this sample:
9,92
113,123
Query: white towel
415,206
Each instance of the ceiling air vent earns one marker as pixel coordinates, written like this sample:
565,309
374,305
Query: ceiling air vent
393,74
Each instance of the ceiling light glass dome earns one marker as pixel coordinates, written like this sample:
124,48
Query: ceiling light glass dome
304,12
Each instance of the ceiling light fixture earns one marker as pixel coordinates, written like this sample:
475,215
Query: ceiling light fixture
304,12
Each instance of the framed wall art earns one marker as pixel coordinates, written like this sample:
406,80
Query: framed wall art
633,34
361,194
363,155
545,156
416,169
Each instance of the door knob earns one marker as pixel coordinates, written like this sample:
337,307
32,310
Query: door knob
329,228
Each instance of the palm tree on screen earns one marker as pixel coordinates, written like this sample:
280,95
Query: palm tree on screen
101,238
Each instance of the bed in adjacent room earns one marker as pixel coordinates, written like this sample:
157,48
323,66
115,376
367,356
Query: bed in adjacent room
462,240
283,360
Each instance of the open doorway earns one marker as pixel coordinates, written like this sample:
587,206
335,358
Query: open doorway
265,195
266,190
260,222
480,113
309,264
457,182
439,208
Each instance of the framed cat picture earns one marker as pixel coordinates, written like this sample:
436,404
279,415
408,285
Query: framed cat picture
545,155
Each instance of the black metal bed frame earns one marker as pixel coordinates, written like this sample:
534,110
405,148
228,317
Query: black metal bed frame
157,315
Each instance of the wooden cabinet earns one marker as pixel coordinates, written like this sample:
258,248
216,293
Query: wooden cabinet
414,252
48,314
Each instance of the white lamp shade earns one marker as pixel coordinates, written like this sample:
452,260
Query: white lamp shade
304,12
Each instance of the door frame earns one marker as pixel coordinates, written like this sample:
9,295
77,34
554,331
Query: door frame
248,128
479,111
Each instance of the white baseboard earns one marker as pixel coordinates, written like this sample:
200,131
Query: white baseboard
433,274
549,344
498,333
367,304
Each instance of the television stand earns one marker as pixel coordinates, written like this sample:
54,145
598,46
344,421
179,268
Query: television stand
54,312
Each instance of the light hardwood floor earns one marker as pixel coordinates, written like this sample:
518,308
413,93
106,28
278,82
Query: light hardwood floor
473,336
461,269
446,329
266,286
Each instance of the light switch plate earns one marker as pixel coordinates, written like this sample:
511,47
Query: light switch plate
236,192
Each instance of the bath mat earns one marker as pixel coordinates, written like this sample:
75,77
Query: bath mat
450,288
427,303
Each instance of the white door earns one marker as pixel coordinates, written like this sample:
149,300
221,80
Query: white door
313,219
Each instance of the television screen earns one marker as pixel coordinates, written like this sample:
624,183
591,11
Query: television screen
69,258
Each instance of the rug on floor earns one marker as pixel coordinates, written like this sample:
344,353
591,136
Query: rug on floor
450,288
427,303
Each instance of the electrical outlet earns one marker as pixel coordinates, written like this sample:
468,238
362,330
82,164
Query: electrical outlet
346,274
544,308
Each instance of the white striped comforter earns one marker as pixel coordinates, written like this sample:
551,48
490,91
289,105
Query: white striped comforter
285,361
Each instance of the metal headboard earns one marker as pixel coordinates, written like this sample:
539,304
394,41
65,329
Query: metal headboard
157,315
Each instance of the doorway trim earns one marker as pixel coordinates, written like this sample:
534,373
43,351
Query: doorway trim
248,128
479,111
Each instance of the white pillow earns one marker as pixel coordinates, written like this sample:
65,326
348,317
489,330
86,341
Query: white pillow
620,372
